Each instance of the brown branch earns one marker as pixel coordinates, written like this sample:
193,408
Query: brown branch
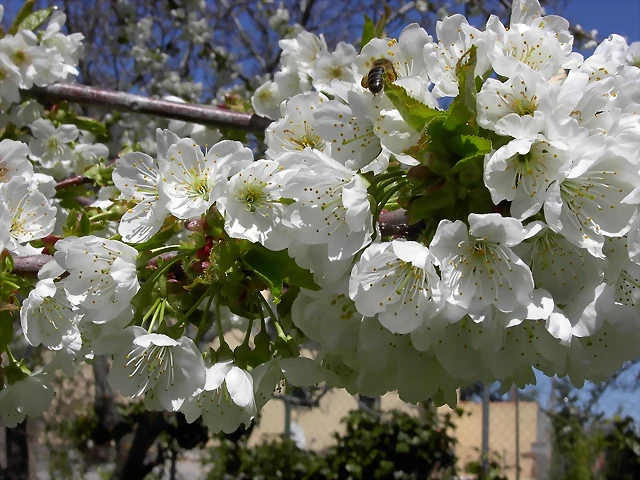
30,264
72,182
395,222
128,102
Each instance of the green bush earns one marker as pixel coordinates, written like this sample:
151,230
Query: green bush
393,446
277,459
621,450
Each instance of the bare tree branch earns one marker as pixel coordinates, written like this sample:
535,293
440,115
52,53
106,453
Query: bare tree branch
30,264
128,102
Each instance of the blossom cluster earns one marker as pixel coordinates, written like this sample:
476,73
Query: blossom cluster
28,59
514,161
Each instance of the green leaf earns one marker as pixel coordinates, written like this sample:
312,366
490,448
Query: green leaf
292,273
368,31
35,19
6,328
91,125
77,224
434,203
470,148
25,11
267,269
414,112
85,224
284,307
101,174
463,108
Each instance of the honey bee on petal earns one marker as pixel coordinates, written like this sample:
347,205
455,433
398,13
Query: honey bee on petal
374,81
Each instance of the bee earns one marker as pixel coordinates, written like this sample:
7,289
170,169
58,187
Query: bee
374,81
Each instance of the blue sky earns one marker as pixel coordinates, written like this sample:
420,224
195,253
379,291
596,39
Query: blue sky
606,16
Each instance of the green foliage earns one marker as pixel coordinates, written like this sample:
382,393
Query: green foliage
390,446
451,151
586,447
35,19
91,125
368,31
77,224
6,326
395,446
622,450
267,269
276,269
495,471
277,459
415,113
463,108
25,11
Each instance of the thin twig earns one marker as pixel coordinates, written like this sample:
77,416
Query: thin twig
128,102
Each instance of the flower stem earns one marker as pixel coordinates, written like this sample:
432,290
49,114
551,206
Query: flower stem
248,333
166,266
387,196
197,303
100,216
380,187
151,311
158,314
168,248
203,320
219,321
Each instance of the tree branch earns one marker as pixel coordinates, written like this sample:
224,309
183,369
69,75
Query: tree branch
30,264
128,102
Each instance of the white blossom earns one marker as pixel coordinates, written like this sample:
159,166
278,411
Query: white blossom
14,160
478,263
29,215
30,396
585,203
46,315
102,275
397,281
193,181
252,205
164,370
331,206
50,146
137,176
219,412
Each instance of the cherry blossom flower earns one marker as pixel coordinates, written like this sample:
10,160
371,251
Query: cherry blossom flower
30,396
164,370
29,215
397,281
478,263
192,181
102,275
47,316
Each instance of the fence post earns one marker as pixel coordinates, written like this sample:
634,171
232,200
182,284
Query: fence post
486,399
